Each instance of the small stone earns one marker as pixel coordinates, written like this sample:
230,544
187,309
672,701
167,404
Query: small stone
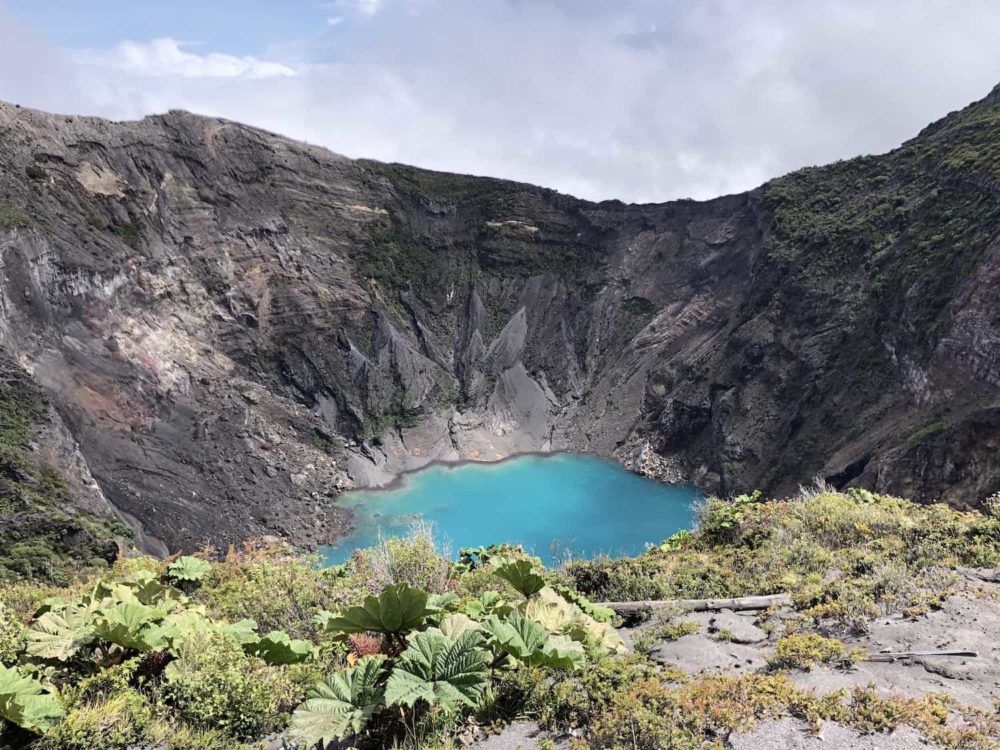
739,629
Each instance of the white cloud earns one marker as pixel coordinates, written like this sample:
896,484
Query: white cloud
635,100
368,7
162,58
362,7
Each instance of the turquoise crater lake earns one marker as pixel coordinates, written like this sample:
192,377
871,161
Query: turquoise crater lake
560,505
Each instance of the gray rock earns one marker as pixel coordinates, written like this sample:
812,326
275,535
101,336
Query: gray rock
964,623
520,735
740,628
700,653
791,734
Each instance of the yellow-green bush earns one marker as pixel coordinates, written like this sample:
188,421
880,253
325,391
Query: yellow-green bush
214,684
849,556
11,636
650,715
845,555
414,559
117,721
278,589
118,678
669,631
173,736
576,700
806,650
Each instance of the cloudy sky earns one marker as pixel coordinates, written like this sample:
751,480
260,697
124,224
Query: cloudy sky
630,99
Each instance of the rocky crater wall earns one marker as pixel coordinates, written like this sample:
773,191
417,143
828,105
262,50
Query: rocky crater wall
234,327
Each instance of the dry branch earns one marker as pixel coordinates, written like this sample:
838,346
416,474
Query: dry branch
702,605
889,656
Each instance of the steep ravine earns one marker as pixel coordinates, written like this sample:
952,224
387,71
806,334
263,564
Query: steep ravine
234,327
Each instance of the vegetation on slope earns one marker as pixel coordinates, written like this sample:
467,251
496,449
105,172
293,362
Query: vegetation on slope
155,651
846,556
39,538
403,646
914,222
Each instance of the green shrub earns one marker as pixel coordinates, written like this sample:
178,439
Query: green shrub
281,591
11,635
679,540
931,714
127,233
10,217
646,714
513,693
118,721
414,559
991,505
188,570
174,736
807,650
118,678
663,632
574,701
721,520
213,684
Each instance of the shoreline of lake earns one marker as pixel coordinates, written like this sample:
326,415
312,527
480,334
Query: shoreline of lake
560,495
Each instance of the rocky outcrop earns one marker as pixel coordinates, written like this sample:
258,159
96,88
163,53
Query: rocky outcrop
55,518
234,327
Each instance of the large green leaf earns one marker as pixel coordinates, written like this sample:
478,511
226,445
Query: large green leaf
439,671
529,642
558,616
455,624
24,701
51,603
129,625
481,605
600,634
177,626
521,575
59,634
244,631
551,611
144,584
188,569
592,609
278,648
562,652
400,608
341,705
107,593
322,619
517,636
438,602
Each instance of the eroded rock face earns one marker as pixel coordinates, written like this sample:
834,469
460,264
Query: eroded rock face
235,327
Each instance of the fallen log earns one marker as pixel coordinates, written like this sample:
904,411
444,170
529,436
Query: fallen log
702,605
890,656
